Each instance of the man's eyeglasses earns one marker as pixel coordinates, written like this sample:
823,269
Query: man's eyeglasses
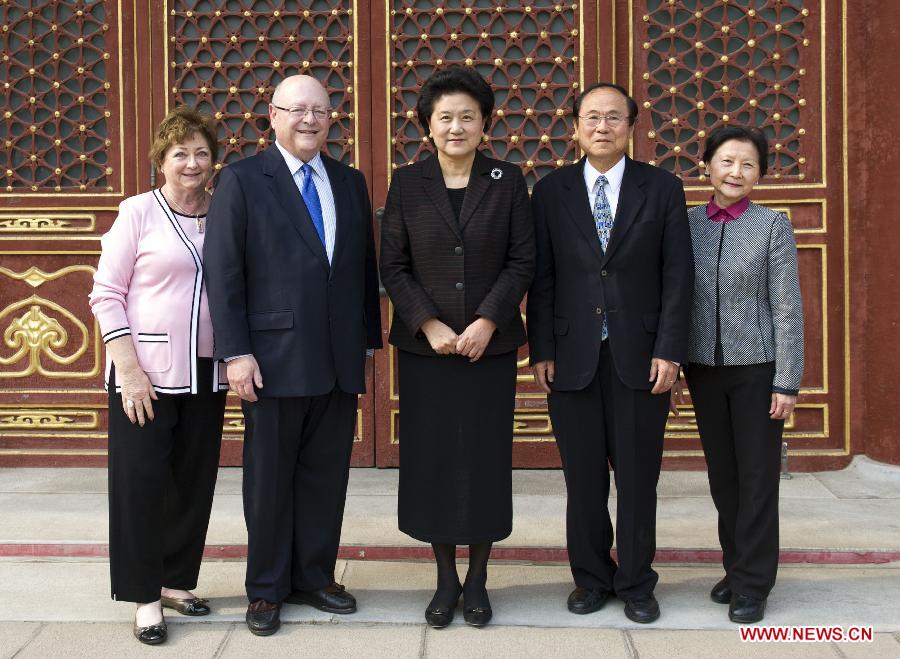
299,112
593,120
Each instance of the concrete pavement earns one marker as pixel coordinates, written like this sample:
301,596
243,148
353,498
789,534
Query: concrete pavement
844,528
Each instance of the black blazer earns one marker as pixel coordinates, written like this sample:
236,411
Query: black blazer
435,267
643,282
272,292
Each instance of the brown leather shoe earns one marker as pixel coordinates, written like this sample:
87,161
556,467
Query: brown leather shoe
263,618
333,598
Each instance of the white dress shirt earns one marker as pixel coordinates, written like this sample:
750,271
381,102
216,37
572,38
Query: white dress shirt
323,187
613,183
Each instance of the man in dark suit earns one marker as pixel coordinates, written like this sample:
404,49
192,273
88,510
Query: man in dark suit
608,317
293,295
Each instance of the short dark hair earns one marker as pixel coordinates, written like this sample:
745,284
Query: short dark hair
455,79
630,102
722,134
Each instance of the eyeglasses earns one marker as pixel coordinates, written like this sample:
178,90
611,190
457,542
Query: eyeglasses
299,112
593,120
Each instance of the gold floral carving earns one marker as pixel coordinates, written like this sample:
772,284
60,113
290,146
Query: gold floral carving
57,223
44,419
34,276
38,333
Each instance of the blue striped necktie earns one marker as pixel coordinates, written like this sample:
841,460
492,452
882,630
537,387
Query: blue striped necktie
604,220
311,198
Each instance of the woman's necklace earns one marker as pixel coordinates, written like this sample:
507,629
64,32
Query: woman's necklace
184,212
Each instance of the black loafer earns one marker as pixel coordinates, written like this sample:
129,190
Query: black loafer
745,609
439,617
331,599
583,600
263,618
643,608
153,634
721,592
193,606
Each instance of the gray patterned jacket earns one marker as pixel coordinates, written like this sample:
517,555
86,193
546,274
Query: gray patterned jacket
760,310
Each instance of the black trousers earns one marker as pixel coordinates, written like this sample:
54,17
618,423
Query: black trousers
608,423
161,483
742,446
296,466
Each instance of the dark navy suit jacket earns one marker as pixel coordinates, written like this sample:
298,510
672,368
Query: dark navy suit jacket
642,283
272,292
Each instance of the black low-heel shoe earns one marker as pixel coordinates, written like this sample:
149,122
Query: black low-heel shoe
745,609
721,592
192,606
477,616
152,634
439,617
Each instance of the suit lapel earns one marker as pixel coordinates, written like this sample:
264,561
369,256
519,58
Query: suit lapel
479,182
285,191
433,182
342,205
631,200
578,206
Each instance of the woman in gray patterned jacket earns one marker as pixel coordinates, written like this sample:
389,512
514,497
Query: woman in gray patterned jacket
745,361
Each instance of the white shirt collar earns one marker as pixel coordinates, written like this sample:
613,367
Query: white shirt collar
293,163
613,175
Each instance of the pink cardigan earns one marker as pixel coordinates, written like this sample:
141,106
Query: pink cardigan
148,285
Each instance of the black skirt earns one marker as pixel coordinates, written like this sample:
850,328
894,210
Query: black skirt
456,426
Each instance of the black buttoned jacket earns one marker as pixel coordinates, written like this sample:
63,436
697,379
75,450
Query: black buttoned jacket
642,283
434,266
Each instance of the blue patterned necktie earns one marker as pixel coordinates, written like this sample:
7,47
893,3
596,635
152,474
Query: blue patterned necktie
311,198
604,220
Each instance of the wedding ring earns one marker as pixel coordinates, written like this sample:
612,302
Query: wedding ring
129,403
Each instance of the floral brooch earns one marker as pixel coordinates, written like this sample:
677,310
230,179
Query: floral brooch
496,173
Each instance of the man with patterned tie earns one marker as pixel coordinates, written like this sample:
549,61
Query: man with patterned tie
293,295
608,317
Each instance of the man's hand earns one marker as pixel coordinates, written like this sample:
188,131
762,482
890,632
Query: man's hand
664,373
474,339
440,336
544,373
782,406
243,374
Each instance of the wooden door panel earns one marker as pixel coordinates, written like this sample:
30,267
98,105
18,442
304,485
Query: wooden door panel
68,134
534,56
766,66
228,61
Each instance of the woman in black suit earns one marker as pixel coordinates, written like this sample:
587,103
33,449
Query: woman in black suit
457,256
745,360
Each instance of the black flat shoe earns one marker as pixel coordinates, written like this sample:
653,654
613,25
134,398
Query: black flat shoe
721,592
192,606
477,616
263,618
152,634
745,609
331,599
584,600
439,617
643,609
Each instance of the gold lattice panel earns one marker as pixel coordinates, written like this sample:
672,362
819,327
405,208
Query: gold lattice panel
59,128
709,62
226,57
528,52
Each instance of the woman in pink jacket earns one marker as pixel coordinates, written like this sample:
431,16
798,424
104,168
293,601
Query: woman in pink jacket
166,395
